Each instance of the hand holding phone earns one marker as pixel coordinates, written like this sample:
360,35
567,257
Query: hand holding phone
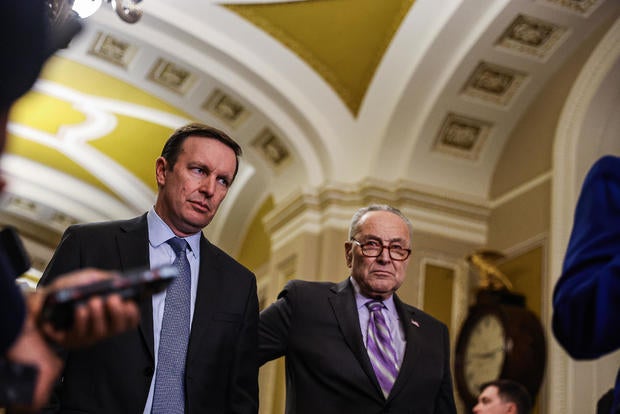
59,305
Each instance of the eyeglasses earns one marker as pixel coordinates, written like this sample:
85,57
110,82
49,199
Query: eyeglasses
373,248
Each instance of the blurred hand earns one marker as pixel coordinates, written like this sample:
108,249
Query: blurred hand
97,319
30,348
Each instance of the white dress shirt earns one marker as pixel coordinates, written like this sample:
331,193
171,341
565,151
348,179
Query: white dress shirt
160,253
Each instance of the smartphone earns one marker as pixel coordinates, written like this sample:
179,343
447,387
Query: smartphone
59,305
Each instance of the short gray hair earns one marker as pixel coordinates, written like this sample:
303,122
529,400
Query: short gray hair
377,207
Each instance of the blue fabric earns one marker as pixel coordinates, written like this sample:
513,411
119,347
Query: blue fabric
586,301
169,396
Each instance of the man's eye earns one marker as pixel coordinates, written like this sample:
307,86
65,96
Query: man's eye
372,244
396,247
223,181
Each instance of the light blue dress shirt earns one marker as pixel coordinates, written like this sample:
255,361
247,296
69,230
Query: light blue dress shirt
160,253
397,332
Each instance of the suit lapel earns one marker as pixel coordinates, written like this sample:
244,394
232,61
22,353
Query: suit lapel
345,311
134,254
207,289
412,336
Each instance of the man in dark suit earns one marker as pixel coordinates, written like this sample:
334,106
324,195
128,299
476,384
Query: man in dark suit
586,300
503,396
355,347
220,371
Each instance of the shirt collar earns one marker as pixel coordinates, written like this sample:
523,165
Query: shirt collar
160,232
362,300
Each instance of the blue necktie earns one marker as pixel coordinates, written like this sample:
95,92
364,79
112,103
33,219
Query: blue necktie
380,348
169,394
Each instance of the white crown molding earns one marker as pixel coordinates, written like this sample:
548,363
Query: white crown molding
333,205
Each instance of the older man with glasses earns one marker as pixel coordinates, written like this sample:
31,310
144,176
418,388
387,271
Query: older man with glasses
354,346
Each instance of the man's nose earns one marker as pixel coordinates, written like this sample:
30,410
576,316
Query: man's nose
207,185
385,255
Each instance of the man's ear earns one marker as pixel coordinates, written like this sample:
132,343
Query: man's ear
512,408
348,253
161,166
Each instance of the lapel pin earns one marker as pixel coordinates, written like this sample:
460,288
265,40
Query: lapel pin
414,322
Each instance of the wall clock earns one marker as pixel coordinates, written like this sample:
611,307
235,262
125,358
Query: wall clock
500,338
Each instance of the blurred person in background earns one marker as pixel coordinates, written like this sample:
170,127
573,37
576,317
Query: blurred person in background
503,396
28,365
586,300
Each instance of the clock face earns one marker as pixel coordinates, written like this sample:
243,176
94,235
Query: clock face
484,353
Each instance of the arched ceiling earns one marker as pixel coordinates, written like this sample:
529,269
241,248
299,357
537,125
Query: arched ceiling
318,92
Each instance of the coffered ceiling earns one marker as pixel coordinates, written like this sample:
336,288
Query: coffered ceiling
320,93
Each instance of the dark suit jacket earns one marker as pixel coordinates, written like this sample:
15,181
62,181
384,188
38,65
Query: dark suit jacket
221,372
586,300
315,325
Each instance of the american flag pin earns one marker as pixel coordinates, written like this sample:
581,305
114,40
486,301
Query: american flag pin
414,322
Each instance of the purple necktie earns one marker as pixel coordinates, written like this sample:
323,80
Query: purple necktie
380,348
169,394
